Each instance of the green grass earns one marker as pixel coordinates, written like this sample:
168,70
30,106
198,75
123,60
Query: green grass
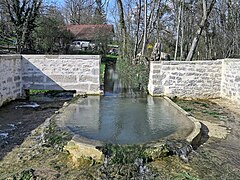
37,91
201,104
110,58
102,72
34,91
212,113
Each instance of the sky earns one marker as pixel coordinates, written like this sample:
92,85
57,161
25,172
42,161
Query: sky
60,4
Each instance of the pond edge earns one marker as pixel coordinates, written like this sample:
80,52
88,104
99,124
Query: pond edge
80,147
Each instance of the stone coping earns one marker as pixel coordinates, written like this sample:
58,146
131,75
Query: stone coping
72,57
196,132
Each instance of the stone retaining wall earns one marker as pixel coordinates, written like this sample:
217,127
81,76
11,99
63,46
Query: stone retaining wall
231,80
194,79
10,78
62,72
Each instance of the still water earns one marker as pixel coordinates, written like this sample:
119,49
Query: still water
123,120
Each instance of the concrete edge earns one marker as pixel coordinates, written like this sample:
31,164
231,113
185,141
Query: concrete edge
88,142
195,135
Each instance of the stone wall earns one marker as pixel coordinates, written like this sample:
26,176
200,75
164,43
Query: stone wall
194,79
10,78
231,80
62,72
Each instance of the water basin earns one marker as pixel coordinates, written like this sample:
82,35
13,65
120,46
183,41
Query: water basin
122,120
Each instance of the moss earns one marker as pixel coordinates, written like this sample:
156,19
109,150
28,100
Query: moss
185,176
25,175
55,137
124,154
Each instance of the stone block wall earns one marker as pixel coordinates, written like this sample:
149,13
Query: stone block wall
62,72
10,78
194,79
231,80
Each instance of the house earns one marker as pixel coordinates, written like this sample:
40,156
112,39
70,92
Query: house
90,36
91,32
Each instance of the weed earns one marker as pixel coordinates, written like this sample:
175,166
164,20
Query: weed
212,113
188,109
25,175
55,137
185,176
124,154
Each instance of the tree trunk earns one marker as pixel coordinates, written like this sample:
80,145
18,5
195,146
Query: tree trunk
23,15
145,28
122,26
136,45
206,13
182,31
178,28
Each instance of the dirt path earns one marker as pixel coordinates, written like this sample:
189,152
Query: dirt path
219,156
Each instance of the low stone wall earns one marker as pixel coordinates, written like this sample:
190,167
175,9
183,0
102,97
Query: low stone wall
10,78
194,79
43,72
231,80
62,72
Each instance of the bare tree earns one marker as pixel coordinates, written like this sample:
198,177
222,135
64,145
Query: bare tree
138,15
23,15
123,28
84,12
178,28
206,13
145,31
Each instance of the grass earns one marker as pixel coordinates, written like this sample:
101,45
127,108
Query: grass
33,91
204,107
201,104
109,58
212,113
102,72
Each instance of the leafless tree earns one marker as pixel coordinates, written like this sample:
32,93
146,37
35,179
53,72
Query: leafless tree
206,13
84,12
123,28
23,15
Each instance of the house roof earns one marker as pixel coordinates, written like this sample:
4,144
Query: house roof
90,31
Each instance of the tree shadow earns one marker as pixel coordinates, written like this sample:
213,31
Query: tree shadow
203,137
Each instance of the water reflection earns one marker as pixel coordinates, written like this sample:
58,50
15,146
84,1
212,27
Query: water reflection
126,120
